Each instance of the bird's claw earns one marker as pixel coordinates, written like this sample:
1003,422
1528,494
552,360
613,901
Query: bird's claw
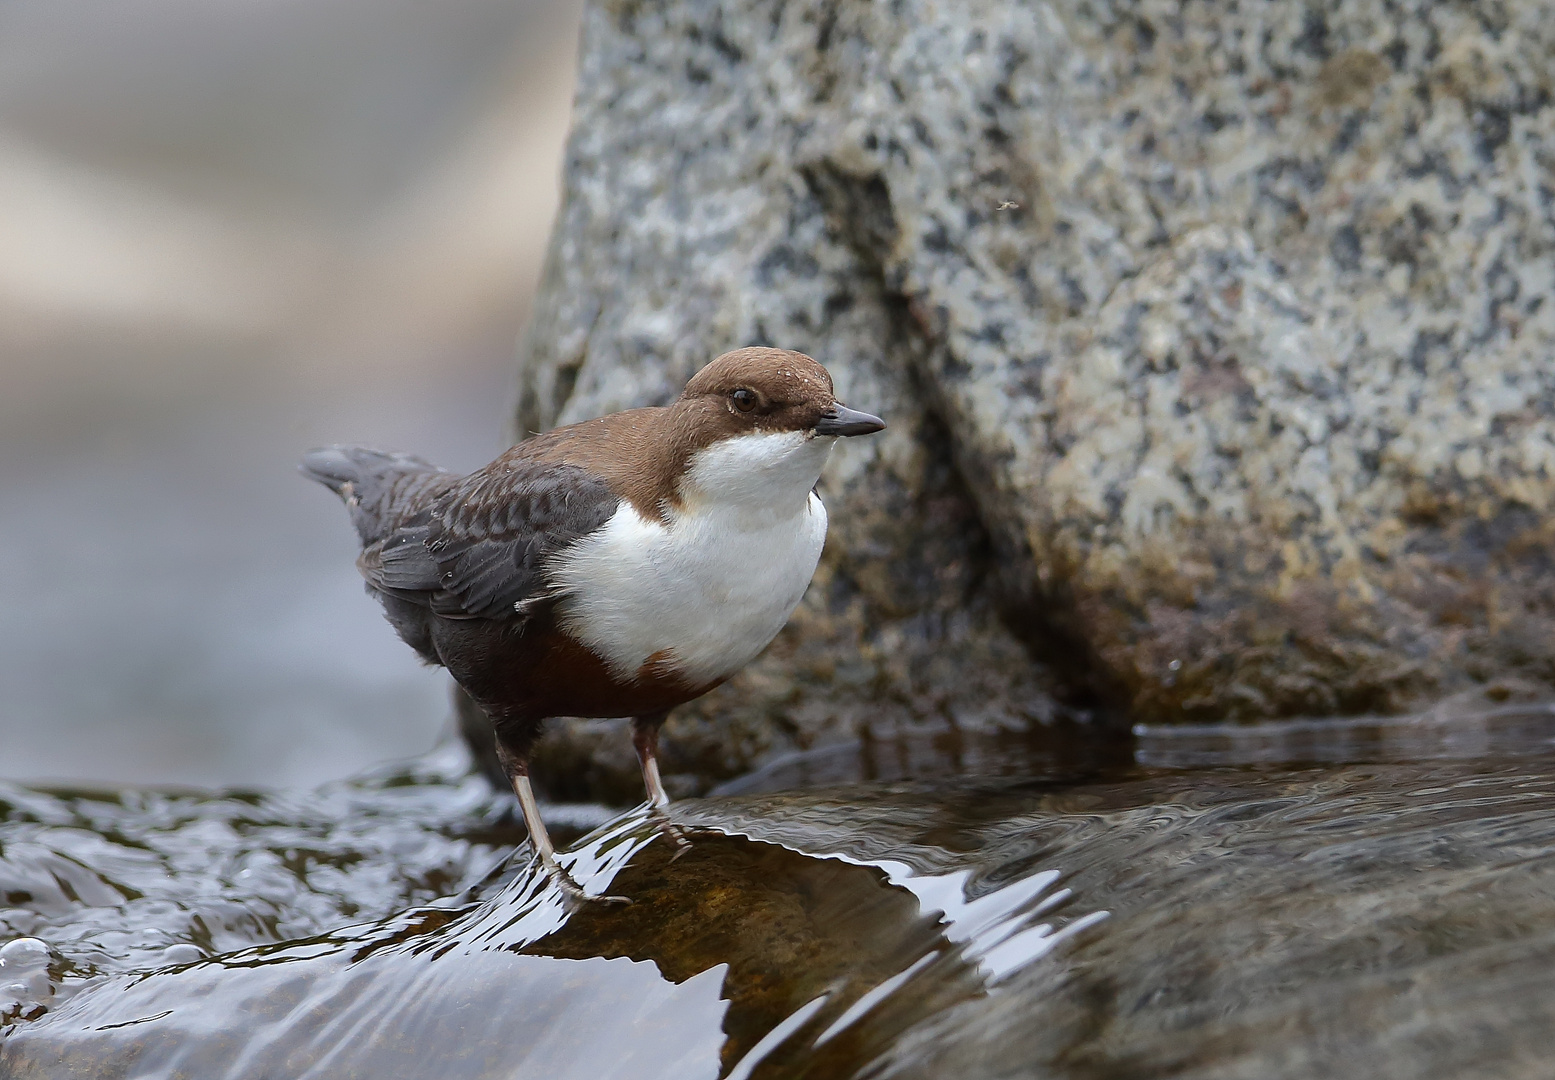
604,898
573,891
673,832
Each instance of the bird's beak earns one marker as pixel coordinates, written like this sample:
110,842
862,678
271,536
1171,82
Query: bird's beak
838,419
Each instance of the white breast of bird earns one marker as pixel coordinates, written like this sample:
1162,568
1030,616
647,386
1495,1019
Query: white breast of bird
704,591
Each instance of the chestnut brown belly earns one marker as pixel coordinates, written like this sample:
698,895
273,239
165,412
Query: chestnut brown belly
539,671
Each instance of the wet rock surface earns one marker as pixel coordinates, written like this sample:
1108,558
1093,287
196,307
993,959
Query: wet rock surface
1213,339
1366,899
218,871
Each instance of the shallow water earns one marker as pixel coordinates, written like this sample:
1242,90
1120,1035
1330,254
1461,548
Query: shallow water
1166,904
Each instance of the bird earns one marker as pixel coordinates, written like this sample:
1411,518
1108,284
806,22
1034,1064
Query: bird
617,567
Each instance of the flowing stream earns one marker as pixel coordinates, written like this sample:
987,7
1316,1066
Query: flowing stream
1358,898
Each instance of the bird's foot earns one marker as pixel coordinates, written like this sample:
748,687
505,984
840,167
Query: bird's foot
674,833
572,890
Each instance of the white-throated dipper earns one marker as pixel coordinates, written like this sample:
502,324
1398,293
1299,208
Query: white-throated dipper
617,567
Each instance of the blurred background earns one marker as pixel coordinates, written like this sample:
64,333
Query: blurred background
230,232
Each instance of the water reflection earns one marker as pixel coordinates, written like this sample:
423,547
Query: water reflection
1464,727
1128,920
1449,731
742,957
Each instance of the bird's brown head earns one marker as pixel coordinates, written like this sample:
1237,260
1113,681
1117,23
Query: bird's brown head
771,390
755,425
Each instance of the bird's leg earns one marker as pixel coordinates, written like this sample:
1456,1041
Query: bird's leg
517,768
645,739
518,775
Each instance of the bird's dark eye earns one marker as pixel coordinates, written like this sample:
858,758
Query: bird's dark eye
744,400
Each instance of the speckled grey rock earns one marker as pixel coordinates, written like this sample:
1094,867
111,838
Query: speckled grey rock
1215,339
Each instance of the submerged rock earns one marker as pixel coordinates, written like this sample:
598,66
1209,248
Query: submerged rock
1214,340
1278,923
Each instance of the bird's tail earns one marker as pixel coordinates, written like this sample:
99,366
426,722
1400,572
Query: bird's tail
380,489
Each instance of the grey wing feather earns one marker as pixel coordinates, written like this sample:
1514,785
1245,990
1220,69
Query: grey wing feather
479,550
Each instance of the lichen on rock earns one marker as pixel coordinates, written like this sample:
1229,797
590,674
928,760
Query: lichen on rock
1215,340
